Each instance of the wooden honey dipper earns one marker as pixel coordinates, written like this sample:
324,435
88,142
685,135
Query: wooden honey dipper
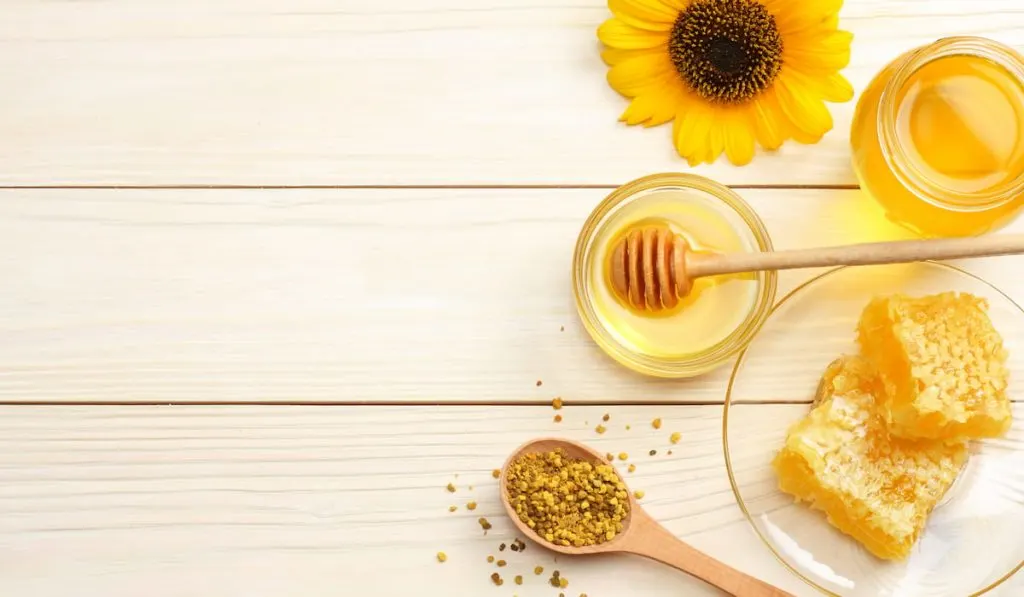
652,268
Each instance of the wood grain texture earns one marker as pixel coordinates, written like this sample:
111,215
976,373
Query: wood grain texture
357,92
123,501
335,295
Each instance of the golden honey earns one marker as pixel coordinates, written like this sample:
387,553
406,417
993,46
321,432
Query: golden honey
720,314
938,137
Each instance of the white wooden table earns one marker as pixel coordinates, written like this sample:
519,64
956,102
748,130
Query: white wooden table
274,272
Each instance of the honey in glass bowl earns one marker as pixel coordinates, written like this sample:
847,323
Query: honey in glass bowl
938,137
716,319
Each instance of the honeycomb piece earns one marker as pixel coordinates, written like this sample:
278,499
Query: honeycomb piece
842,460
846,374
943,365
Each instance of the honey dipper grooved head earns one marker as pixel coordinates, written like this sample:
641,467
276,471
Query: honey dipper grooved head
647,268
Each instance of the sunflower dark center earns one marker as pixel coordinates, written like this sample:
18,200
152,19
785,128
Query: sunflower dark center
728,51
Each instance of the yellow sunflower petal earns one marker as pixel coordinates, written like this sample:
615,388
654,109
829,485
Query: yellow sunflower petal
614,33
644,14
805,138
613,56
654,108
793,16
640,73
770,125
806,111
716,138
831,88
677,5
691,130
827,52
738,130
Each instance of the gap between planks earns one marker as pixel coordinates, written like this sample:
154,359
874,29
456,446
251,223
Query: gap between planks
567,186
454,403
457,403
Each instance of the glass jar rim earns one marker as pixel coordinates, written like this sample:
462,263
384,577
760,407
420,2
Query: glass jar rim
894,151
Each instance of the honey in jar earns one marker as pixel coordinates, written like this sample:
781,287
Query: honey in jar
719,315
938,137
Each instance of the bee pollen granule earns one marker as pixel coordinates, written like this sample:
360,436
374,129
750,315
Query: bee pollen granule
568,501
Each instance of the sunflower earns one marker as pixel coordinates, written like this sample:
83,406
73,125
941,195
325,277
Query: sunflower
728,72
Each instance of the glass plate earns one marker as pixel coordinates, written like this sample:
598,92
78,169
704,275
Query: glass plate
974,539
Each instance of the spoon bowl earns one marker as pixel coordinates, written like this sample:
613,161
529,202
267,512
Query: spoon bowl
572,449
641,535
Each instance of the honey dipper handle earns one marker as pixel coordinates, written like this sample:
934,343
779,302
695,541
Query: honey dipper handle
649,539
699,264
903,251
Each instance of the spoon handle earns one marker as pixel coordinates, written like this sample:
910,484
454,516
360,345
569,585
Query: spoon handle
900,251
649,539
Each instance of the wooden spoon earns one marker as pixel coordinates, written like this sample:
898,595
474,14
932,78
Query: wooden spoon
651,268
640,535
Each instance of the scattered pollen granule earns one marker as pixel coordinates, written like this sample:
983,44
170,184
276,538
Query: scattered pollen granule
556,404
675,437
442,557
656,423
600,429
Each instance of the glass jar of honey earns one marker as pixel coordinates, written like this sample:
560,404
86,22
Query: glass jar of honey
938,137
720,314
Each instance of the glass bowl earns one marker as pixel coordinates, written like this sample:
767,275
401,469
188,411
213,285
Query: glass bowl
716,329
974,539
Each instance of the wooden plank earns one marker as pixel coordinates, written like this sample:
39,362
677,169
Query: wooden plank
356,92
257,500
337,295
